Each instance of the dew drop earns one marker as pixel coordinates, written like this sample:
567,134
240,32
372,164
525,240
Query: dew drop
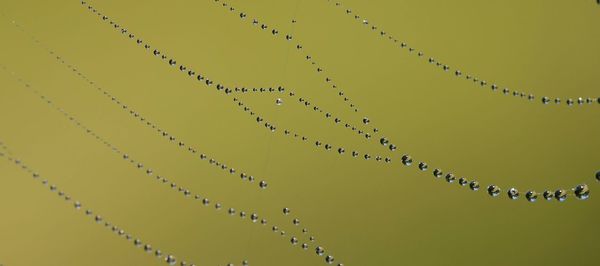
320,251
329,259
548,195
474,185
262,184
170,259
582,192
384,141
531,196
450,178
279,101
560,195
513,193
493,190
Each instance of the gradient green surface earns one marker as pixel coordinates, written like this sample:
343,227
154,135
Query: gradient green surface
361,212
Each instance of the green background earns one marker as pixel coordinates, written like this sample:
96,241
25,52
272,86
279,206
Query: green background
361,212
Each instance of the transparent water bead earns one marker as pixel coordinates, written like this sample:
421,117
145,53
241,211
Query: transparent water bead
582,192
493,190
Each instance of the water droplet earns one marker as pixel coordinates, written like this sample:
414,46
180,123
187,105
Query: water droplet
392,147
170,259
147,248
560,195
304,246
366,120
384,141
329,259
320,251
296,221
262,184
279,101
582,192
531,196
294,240
548,195
513,193
423,166
286,211
493,190
437,173
407,160
450,178
474,185
598,173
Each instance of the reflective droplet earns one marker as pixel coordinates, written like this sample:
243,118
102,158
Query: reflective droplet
582,192
513,193
450,178
548,195
392,147
474,185
279,101
560,195
384,141
329,259
423,166
407,160
296,221
598,173
320,251
286,211
262,184
170,259
366,120
294,240
531,196
437,173
493,190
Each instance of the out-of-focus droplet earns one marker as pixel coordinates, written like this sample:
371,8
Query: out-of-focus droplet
366,120
286,211
329,259
170,259
279,101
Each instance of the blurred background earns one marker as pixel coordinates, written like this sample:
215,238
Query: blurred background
358,211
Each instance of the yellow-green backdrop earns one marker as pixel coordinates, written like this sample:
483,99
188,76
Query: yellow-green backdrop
361,212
